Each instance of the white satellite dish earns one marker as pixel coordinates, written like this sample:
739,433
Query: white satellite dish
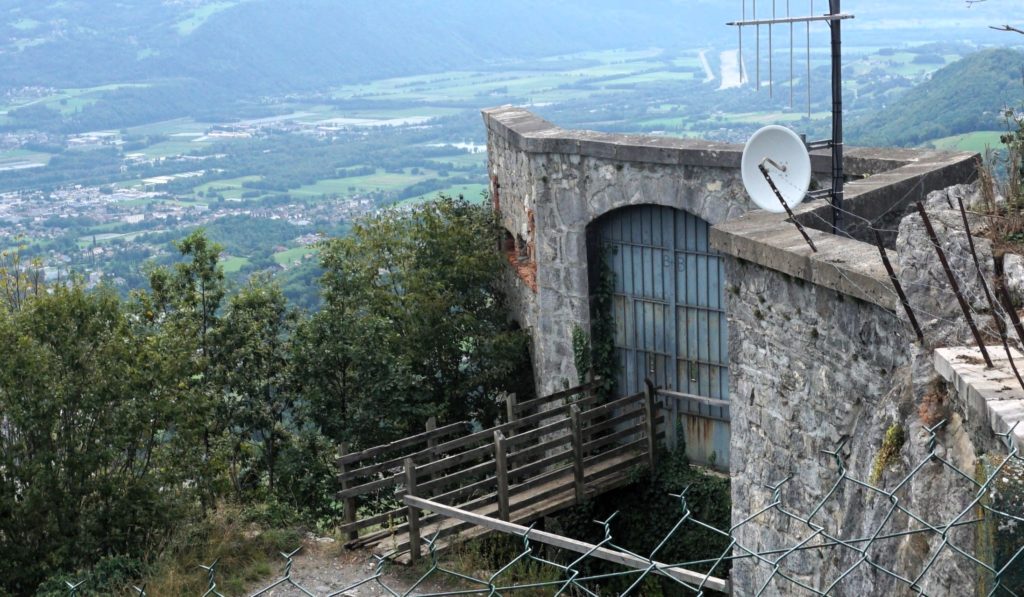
783,153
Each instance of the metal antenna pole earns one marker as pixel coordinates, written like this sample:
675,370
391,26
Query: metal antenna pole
809,62
740,32
771,56
791,82
757,34
837,119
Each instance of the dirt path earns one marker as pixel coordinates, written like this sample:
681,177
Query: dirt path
324,567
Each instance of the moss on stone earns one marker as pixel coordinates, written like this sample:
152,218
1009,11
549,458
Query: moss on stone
893,442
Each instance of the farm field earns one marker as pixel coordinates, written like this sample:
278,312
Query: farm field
381,181
230,188
292,255
472,192
976,142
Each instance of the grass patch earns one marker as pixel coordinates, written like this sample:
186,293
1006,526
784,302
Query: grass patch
976,142
245,554
291,255
234,265
472,193
381,181
199,16
230,188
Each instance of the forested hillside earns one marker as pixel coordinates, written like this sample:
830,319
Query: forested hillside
968,95
264,46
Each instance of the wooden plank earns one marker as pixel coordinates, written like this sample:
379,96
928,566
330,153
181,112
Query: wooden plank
349,502
501,474
403,443
413,516
538,496
483,468
369,487
530,454
650,412
616,421
577,455
457,459
580,389
610,406
597,444
539,432
618,557
370,521
692,398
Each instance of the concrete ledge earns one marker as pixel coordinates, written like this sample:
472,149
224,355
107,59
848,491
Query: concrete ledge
992,394
530,133
841,264
892,179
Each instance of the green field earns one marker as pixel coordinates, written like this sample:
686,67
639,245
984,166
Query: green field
976,142
232,265
291,255
230,188
472,192
381,181
15,156
200,15
176,146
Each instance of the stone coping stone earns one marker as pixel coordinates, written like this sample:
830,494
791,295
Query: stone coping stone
530,133
846,265
991,393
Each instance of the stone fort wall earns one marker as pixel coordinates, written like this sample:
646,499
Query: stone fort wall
821,357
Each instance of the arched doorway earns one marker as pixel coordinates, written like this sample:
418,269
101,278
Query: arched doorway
668,304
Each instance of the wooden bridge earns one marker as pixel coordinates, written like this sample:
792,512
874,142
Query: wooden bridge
551,453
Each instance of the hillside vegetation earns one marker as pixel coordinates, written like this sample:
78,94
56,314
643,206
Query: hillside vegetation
966,96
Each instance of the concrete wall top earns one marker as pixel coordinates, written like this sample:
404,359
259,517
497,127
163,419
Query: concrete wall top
886,182
530,133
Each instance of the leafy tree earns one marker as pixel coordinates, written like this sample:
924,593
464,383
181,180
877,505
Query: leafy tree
251,370
91,454
413,324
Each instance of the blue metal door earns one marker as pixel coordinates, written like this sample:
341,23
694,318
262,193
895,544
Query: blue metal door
669,301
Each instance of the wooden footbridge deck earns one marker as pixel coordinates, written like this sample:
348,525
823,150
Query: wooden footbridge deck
551,453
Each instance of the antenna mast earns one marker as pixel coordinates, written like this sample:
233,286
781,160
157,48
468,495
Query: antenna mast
834,18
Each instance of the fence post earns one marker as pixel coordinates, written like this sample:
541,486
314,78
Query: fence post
413,514
431,426
650,412
501,474
350,502
577,454
671,423
510,408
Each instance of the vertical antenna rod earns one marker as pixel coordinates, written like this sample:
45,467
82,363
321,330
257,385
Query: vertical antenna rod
837,119
791,83
757,35
809,62
771,70
744,11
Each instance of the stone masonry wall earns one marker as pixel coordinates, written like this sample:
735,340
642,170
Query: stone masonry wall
815,370
820,354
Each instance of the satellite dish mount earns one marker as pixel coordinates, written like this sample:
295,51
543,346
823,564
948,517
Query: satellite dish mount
776,171
834,18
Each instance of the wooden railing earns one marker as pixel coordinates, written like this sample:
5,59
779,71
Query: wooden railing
552,452
373,474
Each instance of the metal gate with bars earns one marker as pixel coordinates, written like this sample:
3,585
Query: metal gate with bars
668,308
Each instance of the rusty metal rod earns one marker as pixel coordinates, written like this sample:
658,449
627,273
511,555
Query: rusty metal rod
1007,302
952,282
899,288
775,189
1000,324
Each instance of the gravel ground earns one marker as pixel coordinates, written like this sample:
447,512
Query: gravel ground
324,567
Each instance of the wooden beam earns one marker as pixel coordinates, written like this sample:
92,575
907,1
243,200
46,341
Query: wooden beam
501,474
414,511
682,574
